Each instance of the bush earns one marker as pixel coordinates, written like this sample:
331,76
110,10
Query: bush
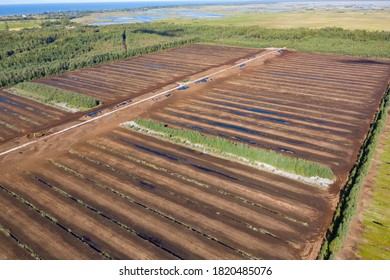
289,164
51,95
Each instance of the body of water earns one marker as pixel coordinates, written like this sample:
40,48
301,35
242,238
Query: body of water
146,16
28,9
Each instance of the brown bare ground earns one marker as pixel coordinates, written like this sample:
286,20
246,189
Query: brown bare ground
9,250
126,195
138,76
32,227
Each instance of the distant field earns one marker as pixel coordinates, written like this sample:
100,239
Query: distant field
368,20
94,17
20,24
376,218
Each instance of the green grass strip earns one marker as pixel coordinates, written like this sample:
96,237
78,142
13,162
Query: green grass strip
221,145
52,95
350,194
374,242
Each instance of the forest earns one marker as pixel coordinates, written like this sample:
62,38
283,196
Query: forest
62,46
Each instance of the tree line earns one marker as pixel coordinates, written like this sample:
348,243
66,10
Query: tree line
31,54
349,196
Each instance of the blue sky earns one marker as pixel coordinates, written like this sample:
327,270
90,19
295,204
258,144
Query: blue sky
78,1
67,1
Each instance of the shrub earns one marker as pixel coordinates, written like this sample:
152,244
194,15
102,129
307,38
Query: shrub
286,163
51,95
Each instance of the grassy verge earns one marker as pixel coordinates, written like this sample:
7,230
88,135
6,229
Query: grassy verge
375,239
364,20
55,96
350,194
223,146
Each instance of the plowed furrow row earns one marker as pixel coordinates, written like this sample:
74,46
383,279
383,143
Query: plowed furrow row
322,127
202,200
196,183
138,216
309,112
268,124
309,91
335,73
247,133
41,235
211,173
73,88
94,230
209,226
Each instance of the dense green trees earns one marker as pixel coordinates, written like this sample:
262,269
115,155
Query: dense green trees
350,194
221,145
35,53
56,48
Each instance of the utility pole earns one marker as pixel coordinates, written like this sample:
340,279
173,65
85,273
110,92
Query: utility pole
124,40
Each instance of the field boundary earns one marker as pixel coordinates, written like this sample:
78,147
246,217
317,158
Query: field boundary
350,193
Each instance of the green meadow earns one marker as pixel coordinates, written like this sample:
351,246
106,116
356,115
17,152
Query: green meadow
19,24
375,240
352,20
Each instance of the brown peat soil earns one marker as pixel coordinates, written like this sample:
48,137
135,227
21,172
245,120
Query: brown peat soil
103,191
